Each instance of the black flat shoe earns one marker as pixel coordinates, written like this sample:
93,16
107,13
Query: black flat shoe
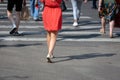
13,30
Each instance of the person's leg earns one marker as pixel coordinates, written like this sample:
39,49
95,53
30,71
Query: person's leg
103,24
111,24
48,39
10,6
51,41
79,4
17,20
32,2
74,6
10,17
94,4
18,4
36,11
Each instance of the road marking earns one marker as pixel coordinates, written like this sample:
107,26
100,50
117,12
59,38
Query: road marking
61,39
62,32
41,26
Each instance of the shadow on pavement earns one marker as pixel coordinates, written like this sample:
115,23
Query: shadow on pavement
20,45
14,77
84,56
63,37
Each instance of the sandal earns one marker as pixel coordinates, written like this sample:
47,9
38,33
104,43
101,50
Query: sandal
102,31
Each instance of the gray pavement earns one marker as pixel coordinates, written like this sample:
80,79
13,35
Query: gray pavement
81,53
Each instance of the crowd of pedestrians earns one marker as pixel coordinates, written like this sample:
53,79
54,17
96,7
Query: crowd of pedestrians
53,23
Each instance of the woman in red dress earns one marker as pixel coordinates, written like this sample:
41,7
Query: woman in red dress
52,20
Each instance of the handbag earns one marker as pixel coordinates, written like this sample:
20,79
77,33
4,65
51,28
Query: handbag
25,15
63,6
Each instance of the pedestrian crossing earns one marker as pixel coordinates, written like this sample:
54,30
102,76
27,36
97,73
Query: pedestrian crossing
87,31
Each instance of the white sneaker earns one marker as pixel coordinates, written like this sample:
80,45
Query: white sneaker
75,24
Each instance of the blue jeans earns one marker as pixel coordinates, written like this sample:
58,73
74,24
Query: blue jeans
76,5
34,10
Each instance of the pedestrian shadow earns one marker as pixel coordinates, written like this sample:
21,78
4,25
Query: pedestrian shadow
14,77
20,45
83,56
78,36
34,33
79,29
84,23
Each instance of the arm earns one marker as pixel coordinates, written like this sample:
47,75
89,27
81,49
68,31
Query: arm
42,1
99,5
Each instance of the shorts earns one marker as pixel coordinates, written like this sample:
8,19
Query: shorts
16,3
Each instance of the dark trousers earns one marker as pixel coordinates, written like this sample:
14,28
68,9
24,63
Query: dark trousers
94,4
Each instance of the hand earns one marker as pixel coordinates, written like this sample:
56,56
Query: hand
85,1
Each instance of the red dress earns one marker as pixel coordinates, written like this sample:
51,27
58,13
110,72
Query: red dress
52,15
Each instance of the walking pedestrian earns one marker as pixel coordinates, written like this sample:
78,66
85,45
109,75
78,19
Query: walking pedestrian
35,9
107,11
76,5
52,20
15,22
94,4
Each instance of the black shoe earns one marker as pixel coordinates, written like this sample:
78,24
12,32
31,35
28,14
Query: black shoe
49,60
16,34
13,30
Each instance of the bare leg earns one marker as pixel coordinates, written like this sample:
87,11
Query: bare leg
48,39
111,24
10,17
17,20
51,41
103,24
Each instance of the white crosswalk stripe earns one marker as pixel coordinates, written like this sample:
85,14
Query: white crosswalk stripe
60,39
